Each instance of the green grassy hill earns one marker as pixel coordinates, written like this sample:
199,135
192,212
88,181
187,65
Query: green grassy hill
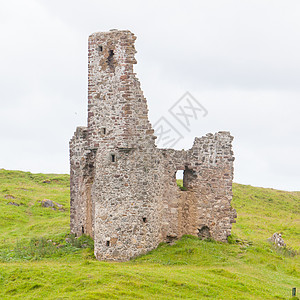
36,262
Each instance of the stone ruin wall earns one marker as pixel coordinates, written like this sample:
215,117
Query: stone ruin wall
123,188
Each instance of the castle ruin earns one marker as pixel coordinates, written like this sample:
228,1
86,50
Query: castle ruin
123,188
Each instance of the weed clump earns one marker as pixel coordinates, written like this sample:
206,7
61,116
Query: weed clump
39,248
285,251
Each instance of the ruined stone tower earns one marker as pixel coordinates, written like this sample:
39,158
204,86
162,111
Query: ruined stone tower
123,188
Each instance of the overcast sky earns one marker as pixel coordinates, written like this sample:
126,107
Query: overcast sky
239,59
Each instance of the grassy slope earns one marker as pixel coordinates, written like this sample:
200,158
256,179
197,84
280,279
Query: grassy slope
30,219
191,268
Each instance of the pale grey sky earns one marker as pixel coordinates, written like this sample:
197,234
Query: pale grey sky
239,59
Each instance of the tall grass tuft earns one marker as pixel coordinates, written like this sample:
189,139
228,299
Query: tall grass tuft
39,248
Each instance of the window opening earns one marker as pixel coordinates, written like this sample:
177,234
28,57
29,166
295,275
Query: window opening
110,60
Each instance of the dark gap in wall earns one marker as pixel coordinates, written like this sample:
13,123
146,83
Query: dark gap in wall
100,48
204,232
110,60
189,175
171,239
113,158
144,220
107,243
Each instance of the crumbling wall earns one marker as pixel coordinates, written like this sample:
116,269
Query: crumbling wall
203,208
82,173
123,188
210,181
77,162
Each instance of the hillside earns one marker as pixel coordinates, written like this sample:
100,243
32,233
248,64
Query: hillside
36,262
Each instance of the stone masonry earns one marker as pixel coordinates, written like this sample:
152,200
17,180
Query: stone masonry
123,188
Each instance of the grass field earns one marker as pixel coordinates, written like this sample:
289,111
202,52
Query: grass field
36,262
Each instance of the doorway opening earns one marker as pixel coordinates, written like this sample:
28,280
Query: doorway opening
179,175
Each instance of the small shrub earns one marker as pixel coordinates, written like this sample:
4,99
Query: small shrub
36,249
84,241
231,239
39,248
183,188
285,251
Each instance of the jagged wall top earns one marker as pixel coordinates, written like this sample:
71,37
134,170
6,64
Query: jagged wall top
117,106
